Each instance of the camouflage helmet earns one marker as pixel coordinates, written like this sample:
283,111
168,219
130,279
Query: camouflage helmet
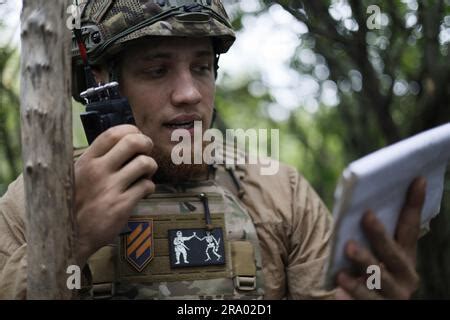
107,26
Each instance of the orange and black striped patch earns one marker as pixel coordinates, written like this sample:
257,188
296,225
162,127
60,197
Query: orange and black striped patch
138,244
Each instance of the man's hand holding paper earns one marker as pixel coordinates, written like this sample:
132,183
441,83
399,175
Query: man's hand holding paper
396,257
381,208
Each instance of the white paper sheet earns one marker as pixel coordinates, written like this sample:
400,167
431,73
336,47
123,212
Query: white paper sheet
380,181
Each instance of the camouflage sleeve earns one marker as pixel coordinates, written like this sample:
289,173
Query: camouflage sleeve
13,246
309,242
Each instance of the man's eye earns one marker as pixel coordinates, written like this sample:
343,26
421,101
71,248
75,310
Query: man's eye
157,72
203,68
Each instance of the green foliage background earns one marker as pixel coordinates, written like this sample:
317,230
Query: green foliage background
371,114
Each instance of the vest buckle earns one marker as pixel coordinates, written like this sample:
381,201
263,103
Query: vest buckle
102,291
245,283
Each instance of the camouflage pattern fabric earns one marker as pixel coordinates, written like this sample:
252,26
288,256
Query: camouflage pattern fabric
123,19
158,281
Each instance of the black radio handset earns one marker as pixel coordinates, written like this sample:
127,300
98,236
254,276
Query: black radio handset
105,107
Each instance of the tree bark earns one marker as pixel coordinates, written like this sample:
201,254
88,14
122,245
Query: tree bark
47,147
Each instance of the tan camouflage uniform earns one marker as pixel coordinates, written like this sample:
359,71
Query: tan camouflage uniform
292,224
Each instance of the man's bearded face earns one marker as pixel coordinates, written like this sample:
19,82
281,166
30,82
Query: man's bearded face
170,84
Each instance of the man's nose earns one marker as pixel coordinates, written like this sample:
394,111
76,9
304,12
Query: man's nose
185,90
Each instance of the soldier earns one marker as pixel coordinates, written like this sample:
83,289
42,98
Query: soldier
164,54
180,247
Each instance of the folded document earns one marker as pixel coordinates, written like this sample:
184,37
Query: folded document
380,182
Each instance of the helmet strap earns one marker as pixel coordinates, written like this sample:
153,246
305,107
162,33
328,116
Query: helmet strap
214,116
216,65
113,72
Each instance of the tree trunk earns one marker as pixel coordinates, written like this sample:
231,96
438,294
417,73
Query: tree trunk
47,147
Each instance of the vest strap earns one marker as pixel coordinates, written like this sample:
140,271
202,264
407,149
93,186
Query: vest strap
244,267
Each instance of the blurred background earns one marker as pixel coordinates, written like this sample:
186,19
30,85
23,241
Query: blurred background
338,79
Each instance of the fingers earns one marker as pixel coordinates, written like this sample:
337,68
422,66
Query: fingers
392,289
111,177
140,167
139,190
356,288
384,246
106,141
362,258
408,227
396,258
388,251
129,146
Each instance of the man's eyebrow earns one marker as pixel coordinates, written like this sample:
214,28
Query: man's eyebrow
204,53
156,55
168,55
